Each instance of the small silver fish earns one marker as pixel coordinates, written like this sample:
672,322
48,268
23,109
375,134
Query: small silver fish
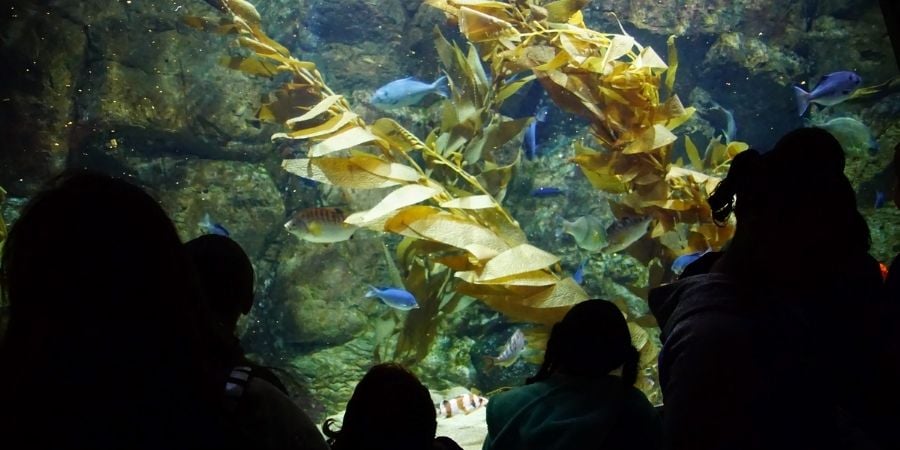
408,91
624,232
511,351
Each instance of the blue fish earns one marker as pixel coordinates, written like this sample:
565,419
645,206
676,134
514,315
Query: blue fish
832,89
543,192
578,276
683,261
529,144
879,199
211,227
394,297
408,91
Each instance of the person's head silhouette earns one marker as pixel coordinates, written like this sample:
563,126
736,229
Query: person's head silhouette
592,340
226,276
795,209
104,343
370,421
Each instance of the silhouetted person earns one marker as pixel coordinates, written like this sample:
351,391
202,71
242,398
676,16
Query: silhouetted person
106,345
259,413
390,409
776,347
892,283
583,396
226,277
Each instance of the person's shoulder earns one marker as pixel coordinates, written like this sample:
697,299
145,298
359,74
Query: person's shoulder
514,395
280,423
515,398
260,387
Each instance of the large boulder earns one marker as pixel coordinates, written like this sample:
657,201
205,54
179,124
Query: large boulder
319,290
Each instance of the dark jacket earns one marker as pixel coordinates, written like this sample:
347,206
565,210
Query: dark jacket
738,373
563,413
892,284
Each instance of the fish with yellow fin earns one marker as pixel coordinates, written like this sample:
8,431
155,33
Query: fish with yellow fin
320,225
624,232
514,347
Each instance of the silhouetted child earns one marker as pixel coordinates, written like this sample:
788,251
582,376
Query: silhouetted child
776,348
389,409
257,407
583,396
226,277
105,347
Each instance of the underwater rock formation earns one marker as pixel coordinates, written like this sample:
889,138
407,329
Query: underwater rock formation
331,373
84,68
44,57
240,196
320,289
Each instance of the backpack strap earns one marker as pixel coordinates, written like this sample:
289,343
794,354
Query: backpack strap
235,385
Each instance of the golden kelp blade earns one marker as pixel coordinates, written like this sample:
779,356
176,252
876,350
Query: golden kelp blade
652,138
410,194
545,305
251,66
478,26
639,336
342,141
323,106
561,10
425,222
693,154
357,172
257,46
533,278
443,5
517,260
470,202
381,168
333,125
869,90
673,64
397,137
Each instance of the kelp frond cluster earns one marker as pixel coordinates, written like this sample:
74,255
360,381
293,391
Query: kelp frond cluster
614,82
459,240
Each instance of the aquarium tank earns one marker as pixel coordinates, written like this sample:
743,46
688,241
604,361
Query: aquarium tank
437,182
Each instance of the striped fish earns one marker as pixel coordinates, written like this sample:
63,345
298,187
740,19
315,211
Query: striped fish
463,404
320,225
511,351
